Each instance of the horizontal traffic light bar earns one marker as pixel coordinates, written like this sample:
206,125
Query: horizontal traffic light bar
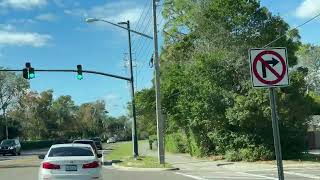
70,70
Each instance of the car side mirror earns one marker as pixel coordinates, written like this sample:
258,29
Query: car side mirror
99,155
41,156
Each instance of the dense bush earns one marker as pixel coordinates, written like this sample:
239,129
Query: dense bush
28,145
176,143
249,154
232,155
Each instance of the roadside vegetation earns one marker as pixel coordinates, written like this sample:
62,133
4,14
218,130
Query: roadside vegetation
122,155
209,104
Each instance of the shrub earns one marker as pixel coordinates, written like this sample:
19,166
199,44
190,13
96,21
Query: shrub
176,143
232,155
28,145
248,154
263,153
255,153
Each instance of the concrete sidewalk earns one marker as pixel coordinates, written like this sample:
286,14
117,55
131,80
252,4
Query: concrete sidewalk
187,163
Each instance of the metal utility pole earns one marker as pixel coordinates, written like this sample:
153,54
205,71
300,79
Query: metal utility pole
160,122
276,135
134,121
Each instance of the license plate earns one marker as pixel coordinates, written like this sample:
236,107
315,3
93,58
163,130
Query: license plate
71,167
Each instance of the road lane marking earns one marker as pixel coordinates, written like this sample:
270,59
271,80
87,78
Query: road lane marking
235,177
191,176
256,175
303,175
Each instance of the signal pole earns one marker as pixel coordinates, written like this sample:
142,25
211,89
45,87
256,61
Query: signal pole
160,122
134,117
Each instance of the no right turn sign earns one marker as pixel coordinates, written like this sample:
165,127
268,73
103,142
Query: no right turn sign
269,67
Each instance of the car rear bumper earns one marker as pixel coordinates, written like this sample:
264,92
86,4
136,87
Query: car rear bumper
69,177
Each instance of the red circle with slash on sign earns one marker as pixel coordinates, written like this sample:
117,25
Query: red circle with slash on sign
279,76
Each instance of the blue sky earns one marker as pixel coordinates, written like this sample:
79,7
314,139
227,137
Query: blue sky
53,34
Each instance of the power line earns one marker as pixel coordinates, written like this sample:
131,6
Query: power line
142,22
295,28
145,31
148,49
142,44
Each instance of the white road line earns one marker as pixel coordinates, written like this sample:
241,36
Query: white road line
303,175
290,168
235,177
256,175
191,176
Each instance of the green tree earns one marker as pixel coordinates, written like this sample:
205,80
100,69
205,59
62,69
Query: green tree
65,111
205,77
146,111
12,88
309,57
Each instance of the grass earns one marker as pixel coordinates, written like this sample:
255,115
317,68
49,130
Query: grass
123,152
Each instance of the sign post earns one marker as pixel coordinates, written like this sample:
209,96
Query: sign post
269,69
276,134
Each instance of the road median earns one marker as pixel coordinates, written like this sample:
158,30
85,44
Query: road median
121,158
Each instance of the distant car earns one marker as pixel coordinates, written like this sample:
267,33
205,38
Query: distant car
111,140
70,161
98,143
87,141
10,146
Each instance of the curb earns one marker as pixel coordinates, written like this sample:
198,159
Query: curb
141,169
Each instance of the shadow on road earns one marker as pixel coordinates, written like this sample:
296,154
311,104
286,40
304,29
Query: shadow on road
109,163
17,166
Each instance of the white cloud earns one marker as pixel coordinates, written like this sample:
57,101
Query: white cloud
22,21
114,11
117,11
47,17
23,4
76,12
112,101
59,3
23,39
308,8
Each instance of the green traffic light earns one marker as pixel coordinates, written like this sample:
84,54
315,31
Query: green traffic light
31,76
79,76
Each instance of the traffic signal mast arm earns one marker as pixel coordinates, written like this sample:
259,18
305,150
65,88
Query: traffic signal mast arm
70,70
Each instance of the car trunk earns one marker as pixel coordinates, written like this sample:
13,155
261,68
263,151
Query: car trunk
72,165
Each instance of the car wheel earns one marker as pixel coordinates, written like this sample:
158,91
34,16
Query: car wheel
19,153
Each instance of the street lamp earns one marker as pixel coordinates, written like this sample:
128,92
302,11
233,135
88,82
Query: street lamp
91,20
134,122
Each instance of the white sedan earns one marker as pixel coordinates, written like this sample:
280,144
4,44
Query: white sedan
70,161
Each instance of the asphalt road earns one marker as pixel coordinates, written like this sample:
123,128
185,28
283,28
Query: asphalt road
31,173
24,154
27,165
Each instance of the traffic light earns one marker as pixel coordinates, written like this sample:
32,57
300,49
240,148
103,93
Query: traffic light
79,70
31,73
28,72
25,73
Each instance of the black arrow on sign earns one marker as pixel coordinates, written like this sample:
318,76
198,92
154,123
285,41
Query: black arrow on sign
273,62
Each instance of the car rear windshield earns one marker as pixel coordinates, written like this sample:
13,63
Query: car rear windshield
83,142
70,151
7,142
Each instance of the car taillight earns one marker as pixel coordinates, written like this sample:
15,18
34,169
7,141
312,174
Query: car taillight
47,165
94,164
